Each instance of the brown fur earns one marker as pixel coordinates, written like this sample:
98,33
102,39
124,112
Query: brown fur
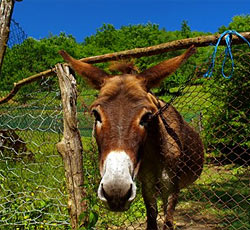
98,76
125,67
113,87
163,164
156,74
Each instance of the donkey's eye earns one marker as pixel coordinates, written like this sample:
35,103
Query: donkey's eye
145,119
97,116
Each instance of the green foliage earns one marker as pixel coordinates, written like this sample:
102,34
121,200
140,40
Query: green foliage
240,23
226,125
108,39
227,122
34,56
185,29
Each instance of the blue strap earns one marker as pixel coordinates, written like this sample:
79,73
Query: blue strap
228,51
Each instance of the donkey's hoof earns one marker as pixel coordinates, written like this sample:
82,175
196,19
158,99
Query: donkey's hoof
168,226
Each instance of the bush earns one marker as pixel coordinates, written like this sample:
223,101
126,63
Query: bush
226,125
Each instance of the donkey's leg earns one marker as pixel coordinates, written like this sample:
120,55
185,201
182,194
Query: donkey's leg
169,208
149,196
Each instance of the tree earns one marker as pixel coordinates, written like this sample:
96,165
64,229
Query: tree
240,23
226,124
185,29
34,56
6,10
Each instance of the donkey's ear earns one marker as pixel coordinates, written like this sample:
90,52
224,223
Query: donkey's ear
154,75
94,75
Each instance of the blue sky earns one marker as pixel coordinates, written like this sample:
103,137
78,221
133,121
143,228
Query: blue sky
82,18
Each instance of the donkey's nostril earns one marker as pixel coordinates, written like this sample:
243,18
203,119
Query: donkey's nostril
128,196
129,193
132,193
117,198
101,193
104,193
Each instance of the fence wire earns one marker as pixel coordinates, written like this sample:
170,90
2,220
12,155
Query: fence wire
33,192
17,35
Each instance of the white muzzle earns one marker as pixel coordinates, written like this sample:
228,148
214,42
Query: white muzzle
117,187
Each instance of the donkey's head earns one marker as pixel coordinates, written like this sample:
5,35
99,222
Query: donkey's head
121,112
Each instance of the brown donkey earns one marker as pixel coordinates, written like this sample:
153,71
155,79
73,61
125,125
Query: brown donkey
164,152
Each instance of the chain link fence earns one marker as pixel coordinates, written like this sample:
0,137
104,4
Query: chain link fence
17,35
33,192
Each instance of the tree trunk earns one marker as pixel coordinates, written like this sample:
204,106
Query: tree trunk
70,147
6,9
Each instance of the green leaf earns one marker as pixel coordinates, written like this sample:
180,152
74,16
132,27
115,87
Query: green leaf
93,218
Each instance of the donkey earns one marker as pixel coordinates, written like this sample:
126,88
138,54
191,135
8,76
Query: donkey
163,152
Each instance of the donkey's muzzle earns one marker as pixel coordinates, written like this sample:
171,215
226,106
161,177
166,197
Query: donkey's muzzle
117,188
116,202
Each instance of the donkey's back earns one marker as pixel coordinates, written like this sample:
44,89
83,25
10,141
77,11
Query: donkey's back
184,145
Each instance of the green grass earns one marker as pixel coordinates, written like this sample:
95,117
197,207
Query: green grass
193,100
33,192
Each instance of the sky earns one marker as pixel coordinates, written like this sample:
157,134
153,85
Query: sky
82,18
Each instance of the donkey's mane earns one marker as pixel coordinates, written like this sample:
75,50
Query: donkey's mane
124,66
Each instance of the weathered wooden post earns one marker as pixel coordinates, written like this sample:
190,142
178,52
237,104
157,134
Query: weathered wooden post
6,9
70,147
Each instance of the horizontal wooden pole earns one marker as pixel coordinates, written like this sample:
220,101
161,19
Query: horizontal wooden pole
25,81
201,41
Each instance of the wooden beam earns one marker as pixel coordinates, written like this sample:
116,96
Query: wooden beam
25,81
201,41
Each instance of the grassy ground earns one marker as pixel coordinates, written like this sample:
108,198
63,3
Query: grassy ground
33,193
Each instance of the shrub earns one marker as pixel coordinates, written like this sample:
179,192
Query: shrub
226,125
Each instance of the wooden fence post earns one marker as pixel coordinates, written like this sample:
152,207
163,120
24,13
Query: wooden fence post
70,147
6,9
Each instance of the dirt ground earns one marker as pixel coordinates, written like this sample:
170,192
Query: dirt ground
186,221
183,221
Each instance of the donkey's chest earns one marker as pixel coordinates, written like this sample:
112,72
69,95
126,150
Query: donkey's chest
153,169
165,181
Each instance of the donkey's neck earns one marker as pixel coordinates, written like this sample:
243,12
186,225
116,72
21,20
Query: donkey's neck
152,159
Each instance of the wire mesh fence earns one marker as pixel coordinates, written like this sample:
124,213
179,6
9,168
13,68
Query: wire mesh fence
33,192
17,35
31,171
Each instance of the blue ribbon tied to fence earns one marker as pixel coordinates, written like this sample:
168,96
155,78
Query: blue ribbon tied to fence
228,39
